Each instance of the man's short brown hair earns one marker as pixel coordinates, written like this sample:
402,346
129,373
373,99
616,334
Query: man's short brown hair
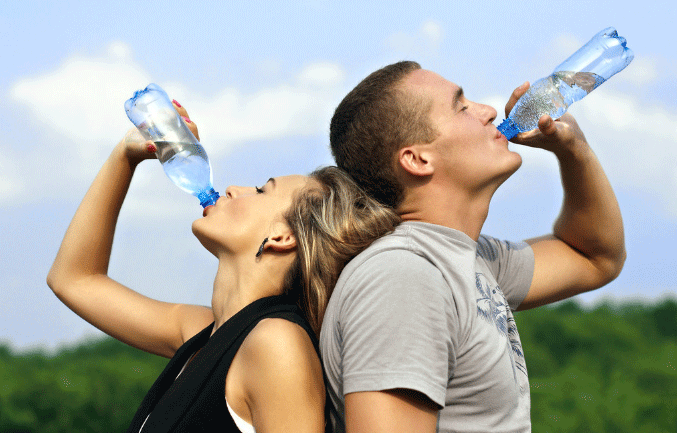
372,123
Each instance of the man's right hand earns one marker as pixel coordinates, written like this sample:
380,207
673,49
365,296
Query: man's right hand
557,136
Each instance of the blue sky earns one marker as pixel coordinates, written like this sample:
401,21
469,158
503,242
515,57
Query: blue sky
261,80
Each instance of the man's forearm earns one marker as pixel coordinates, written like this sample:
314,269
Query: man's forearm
590,220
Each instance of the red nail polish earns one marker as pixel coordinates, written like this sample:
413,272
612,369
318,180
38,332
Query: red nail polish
151,148
186,119
177,104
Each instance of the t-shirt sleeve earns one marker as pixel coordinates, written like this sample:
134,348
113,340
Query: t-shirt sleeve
512,264
397,327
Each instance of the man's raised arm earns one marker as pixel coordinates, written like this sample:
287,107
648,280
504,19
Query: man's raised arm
587,247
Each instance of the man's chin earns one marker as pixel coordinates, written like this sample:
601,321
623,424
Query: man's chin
516,163
512,169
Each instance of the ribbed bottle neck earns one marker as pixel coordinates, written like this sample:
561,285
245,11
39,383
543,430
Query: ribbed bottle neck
208,197
508,128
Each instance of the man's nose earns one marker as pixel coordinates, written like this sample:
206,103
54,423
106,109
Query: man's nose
488,113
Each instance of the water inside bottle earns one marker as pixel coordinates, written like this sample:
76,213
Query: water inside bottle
186,165
575,85
553,95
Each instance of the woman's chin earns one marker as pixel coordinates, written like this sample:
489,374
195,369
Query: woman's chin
210,244
195,227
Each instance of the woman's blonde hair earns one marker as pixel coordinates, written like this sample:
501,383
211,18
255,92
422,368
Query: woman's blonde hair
333,220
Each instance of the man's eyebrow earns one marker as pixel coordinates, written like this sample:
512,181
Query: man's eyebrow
457,96
272,180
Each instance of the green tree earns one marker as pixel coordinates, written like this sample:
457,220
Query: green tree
606,369
95,387
611,368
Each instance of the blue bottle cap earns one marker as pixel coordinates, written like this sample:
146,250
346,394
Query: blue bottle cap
208,198
508,128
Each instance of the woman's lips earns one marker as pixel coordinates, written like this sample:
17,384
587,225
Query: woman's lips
204,211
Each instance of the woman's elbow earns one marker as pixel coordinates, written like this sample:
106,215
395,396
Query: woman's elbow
611,267
58,280
53,281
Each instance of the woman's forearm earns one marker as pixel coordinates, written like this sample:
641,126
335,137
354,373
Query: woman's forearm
79,277
86,247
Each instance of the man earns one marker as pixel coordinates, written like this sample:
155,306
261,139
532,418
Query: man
419,333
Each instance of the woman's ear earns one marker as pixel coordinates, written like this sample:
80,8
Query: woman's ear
281,240
416,159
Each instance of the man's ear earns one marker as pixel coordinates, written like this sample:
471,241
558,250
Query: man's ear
416,160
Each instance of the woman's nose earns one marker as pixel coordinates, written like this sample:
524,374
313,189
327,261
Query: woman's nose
233,191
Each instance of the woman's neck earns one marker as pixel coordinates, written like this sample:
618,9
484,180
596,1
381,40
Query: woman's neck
239,284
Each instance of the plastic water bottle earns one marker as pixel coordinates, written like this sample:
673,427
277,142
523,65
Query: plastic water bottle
594,63
183,158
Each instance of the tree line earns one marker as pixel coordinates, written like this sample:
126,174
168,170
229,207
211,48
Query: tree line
608,368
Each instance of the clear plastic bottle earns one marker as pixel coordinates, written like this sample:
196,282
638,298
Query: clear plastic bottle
183,158
594,63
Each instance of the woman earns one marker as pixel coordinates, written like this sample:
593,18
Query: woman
250,363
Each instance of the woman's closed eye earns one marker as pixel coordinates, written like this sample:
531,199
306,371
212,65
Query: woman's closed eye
260,190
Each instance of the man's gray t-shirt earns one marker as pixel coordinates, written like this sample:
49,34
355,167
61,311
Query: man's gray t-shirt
428,309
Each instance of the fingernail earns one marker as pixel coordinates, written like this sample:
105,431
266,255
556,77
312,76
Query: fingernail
186,119
177,104
151,148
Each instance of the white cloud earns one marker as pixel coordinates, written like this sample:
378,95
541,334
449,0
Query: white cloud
80,105
229,117
11,185
321,75
635,141
641,71
120,51
638,140
424,42
83,99
432,31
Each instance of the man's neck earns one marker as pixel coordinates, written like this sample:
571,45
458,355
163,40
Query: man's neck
463,212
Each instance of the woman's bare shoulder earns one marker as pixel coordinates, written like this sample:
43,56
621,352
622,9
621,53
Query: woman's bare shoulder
279,341
285,387
281,352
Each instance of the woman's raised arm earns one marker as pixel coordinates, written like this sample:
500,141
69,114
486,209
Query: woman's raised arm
79,275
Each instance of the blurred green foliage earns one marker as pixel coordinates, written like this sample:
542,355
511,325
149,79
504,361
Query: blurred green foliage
95,387
611,368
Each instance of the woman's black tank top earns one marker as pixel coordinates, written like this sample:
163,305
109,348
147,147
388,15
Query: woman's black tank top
195,401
